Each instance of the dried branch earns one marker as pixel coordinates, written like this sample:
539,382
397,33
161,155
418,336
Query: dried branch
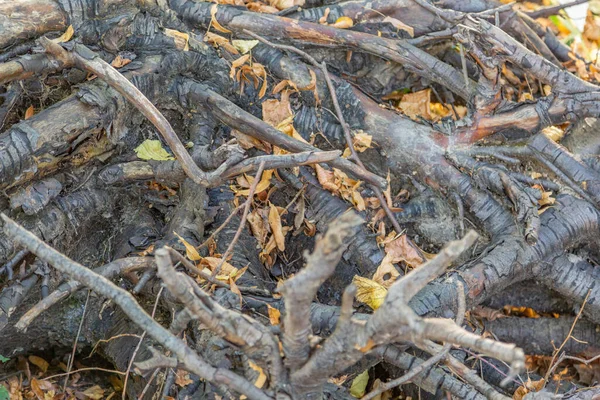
88,60
300,290
189,359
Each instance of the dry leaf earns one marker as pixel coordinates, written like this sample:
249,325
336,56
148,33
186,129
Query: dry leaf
214,22
35,388
343,23
181,39
182,378
119,62
521,311
301,210
238,63
274,315
29,112
218,40
416,104
386,273
190,251
265,182
257,6
39,362
401,249
369,292
400,25
325,178
95,392
487,313
65,37
244,46
262,377
276,227
276,111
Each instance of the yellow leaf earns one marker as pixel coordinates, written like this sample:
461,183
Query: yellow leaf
274,315
218,40
262,377
244,46
359,384
401,26
152,150
265,182
190,251
65,37
29,112
343,23
369,292
95,392
182,378
214,22
276,228
182,40
553,133
227,270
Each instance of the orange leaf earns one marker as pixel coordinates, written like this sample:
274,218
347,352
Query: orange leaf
29,112
343,23
214,22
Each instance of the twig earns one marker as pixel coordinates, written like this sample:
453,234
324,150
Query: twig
152,377
190,360
112,371
124,394
552,364
247,204
553,10
88,60
70,363
338,111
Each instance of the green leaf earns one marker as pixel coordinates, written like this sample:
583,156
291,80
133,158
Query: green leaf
4,395
359,384
4,359
152,150
244,46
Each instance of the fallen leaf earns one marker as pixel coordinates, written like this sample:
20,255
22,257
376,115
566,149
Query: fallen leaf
343,23
325,178
262,377
244,46
119,61
152,150
359,384
181,39
182,378
274,315
401,249
400,25
521,311
276,111
276,227
339,381
386,273
369,292
214,22
29,112
39,362
95,392
220,41
416,105
65,37
362,141
487,313
190,251
263,184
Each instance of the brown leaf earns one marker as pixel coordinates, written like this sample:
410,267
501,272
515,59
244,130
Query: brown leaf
39,362
248,142
487,313
182,378
29,112
301,209
35,388
218,40
325,178
119,61
276,227
386,273
401,249
276,111
214,22
416,105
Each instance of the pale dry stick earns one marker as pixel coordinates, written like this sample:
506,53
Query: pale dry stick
247,204
552,364
460,315
189,360
338,111
137,348
70,363
84,58
112,371
152,377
